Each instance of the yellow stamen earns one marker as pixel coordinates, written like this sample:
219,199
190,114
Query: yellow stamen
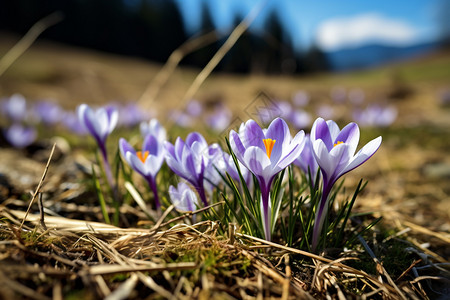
142,157
269,143
338,143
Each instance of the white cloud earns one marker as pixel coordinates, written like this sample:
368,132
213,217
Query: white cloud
339,33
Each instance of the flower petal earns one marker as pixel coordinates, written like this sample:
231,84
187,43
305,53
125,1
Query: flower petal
364,154
349,135
151,145
136,164
196,137
334,129
320,130
323,158
256,160
253,135
279,131
237,146
124,148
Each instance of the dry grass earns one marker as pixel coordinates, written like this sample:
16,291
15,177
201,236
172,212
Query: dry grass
94,260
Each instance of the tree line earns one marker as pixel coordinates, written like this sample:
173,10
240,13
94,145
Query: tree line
153,29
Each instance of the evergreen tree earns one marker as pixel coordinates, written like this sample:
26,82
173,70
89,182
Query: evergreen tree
202,56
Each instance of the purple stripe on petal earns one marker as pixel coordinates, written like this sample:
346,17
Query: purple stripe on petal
125,147
253,135
278,131
196,137
236,145
349,135
170,149
321,131
151,145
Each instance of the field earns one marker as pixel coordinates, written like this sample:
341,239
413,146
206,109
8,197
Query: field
162,258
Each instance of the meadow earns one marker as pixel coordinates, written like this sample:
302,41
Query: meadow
77,232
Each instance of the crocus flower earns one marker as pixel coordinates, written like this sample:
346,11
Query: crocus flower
154,128
71,121
356,96
220,119
146,162
300,119
338,94
181,118
306,160
15,107
334,150
130,114
183,197
190,159
19,136
265,153
300,98
100,123
48,112
375,116
194,108
326,111
214,166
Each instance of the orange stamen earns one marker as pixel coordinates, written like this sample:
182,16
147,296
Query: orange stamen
142,157
269,143
338,143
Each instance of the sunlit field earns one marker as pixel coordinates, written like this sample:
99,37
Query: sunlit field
116,184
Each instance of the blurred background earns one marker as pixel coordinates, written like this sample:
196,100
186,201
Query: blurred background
287,37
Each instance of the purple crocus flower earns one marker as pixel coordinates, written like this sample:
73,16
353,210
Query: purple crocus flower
300,119
100,123
265,153
326,111
181,118
338,94
49,112
146,162
71,121
189,160
375,116
130,114
356,96
214,166
15,107
220,119
183,197
334,150
154,128
19,136
300,98
194,108
306,160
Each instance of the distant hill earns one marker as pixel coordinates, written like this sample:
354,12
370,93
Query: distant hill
373,55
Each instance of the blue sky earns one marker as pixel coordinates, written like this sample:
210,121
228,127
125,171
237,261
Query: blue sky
332,24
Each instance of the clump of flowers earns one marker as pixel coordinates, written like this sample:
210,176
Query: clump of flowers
254,169
265,154
190,160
